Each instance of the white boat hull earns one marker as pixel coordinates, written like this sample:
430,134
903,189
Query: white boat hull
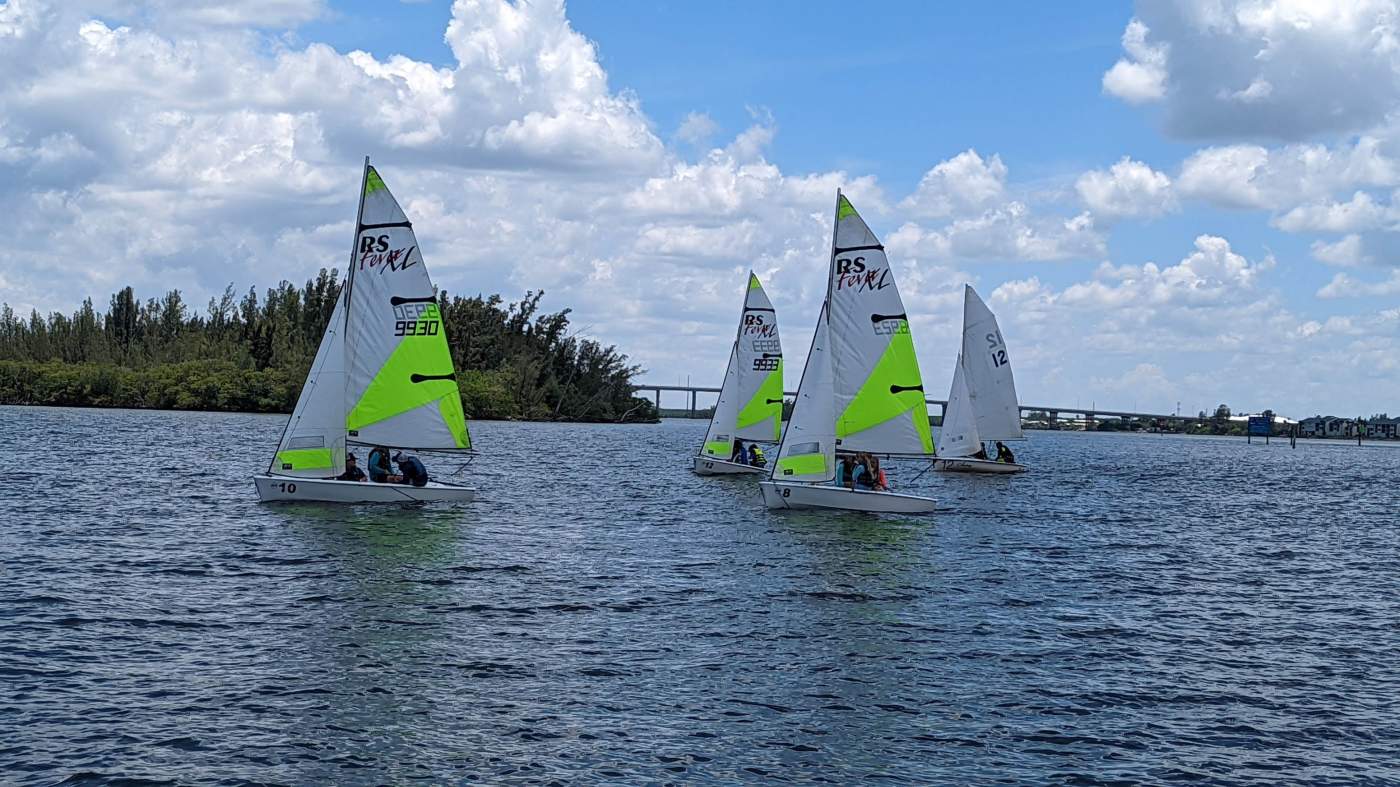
708,465
779,494
277,489
970,465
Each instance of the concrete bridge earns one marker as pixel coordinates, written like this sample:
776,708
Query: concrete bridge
1087,414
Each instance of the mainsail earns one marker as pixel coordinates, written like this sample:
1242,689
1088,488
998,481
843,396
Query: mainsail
990,385
861,389
750,405
383,374
875,373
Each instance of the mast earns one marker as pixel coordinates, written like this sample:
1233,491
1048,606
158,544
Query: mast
355,240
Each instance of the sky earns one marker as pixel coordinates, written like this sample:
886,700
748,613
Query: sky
1169,205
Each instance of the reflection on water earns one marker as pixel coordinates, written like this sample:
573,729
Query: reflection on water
1137,608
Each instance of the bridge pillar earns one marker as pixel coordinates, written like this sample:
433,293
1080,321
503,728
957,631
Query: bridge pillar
658,400
1088,422
1054,419
692,403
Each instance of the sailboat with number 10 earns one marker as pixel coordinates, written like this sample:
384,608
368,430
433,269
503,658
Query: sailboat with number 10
861,390
382,376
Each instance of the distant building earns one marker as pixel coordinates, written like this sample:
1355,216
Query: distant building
1381,428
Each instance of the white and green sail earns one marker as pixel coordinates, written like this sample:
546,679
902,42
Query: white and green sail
750,405
861,389
879,391
383,374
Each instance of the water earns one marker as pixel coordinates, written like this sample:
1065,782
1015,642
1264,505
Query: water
1136,608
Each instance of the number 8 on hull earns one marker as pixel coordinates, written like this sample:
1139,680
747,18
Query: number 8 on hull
861,389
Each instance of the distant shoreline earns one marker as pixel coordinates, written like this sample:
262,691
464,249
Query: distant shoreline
285,414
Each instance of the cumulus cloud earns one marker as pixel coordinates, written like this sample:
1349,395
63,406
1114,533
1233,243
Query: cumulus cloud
1128,188
1277,69
1346,252
1141,77
1345,286
963,183
1361,212
1252,176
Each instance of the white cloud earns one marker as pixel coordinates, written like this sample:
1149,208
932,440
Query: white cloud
1278,69
1361,212
1141,77
1346,252
963,183
1251,176
1128,188
1344,286
697,128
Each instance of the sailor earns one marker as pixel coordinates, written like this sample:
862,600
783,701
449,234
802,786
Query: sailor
756,457
380,471
741,454
1004,454
411,471
352,470
981,452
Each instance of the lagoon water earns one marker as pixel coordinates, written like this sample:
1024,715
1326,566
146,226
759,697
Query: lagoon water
1137,608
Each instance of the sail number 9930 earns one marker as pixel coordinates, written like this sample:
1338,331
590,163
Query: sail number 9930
415,327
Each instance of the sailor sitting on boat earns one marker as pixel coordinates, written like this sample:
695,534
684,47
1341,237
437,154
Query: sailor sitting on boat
411,470
756,457
1004,454
380,471
352,471
740,454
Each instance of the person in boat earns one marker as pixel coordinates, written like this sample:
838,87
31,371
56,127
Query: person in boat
877,474
843,470
756,457
981,452
380,471
1004,454
352,470
411,470
740,455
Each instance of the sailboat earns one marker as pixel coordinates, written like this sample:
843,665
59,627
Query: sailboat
982,405
382,375
861,389
750,405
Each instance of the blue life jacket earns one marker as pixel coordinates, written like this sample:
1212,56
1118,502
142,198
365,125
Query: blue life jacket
378,466
413,471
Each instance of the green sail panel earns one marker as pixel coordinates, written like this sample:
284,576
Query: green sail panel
766,405
894,390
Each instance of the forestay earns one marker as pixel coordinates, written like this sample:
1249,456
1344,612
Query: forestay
879,392
990,385
401,388
750,405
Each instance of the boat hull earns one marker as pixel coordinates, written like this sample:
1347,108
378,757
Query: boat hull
970,465
281,489
779,494
708,465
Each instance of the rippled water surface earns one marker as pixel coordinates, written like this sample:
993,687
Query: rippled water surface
1136,608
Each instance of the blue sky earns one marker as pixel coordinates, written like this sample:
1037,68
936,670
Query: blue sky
1174,200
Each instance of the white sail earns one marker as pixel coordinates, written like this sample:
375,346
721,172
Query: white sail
719,438
958,437
313,444
401,389
808,449
990,385
879,392
759,353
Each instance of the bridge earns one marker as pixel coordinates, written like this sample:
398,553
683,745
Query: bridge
1087,414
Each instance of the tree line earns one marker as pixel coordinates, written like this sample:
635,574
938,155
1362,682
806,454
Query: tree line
250,354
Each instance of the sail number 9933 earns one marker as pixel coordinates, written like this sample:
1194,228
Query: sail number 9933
415,327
